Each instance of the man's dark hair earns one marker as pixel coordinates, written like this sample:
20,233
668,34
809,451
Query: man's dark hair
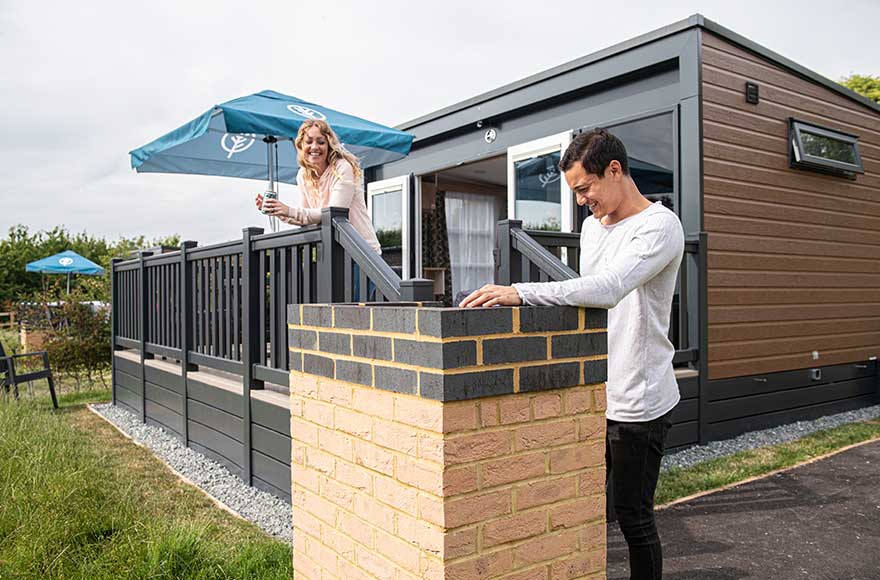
595,150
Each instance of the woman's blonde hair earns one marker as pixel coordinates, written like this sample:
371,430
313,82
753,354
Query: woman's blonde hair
335,152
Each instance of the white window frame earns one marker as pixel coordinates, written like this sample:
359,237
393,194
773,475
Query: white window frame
550,144
401,183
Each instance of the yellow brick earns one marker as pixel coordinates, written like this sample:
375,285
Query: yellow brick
398,551
512,469
374,402
577,457
459,543
477,446
335,393
550,434
395,436
546,406
483,566
374,457
513,528
420,474
544,492
476,508
570,514
420,413
336,443
459,416
544,548
579,566
489,414
353,423
396,495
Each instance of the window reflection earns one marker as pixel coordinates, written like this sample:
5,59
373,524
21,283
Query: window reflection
538,192
650,148
387,218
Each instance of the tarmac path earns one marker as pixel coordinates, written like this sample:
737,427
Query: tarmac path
819,521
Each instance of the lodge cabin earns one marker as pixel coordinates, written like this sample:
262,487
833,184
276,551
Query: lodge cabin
773,170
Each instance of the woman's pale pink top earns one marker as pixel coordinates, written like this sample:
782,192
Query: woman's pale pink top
336,188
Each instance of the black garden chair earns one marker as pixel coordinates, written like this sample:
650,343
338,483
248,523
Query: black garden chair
10,379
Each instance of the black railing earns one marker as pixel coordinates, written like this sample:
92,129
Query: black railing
541,256
227,303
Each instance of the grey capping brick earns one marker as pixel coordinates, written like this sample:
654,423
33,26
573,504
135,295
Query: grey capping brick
449,355
595,371
397,380
574,345
372,347
548,319
465,386
304,339
318,365
555,376
293,314
448,322
356,317
394,319
334,342
354,372
596,318
516,349
317,315
295,361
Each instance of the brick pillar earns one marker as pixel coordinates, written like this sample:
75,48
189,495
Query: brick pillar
447,443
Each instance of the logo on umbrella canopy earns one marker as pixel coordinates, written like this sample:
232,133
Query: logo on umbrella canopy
65,261
306,112
234,143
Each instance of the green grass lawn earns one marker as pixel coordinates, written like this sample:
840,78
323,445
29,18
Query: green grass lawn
677,483
79,501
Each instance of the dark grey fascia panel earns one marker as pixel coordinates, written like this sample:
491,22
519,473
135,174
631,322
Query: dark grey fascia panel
636,42
570,82
658,91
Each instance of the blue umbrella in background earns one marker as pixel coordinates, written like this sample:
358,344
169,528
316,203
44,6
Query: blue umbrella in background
252,137
67,262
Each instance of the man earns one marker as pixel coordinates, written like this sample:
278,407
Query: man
631,250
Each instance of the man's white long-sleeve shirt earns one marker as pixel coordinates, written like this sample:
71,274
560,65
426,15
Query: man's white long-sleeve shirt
629,268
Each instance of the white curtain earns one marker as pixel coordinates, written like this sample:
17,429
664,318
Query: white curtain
470,225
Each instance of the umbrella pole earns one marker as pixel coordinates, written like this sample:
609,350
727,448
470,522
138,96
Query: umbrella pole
272,166
68,283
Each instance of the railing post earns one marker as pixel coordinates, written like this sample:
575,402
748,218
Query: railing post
184,306
331,263
251,341
114,325
417,290
509,266
144,308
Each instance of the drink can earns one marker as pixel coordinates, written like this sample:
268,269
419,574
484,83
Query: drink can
268,194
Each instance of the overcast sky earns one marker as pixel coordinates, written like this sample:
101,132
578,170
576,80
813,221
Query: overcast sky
83,83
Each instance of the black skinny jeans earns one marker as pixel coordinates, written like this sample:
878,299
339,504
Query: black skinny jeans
632,457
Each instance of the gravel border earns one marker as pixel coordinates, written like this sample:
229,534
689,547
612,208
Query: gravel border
268,512
754,439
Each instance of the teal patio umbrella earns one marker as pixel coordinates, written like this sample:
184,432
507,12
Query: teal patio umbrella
252,137
67,262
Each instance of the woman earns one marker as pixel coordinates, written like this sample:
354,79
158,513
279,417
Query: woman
329,176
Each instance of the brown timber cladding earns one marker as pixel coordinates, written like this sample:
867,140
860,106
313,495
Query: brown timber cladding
793,255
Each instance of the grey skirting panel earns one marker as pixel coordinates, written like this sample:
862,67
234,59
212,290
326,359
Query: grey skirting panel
214,420
748,403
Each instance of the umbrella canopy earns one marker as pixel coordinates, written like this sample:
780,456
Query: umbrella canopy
230,139
67,262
